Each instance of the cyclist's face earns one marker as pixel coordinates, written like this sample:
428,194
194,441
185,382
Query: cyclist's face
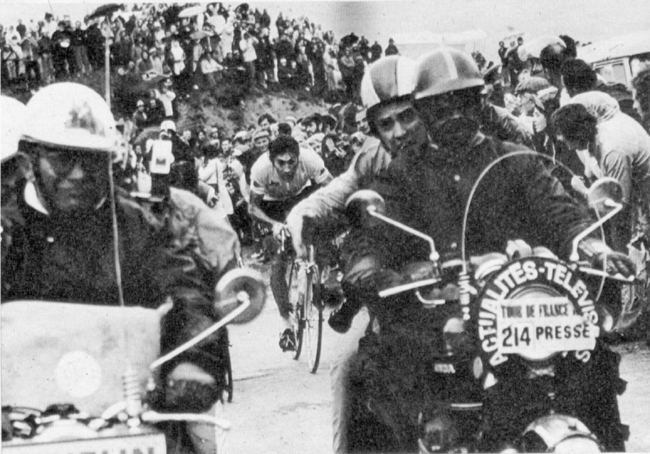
72,180
286,164
400,128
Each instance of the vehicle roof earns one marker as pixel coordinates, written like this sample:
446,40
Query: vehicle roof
619,46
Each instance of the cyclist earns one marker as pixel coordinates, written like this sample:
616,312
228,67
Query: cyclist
279,179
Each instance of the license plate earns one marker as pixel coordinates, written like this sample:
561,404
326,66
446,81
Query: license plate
150,443
537,328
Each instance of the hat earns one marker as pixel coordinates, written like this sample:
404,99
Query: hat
260,133
290,119
242,136
140,103
168,125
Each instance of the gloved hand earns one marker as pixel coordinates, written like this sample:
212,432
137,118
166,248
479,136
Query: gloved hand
599,254
367,278
189,389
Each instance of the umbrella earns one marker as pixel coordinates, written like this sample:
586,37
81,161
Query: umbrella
105,10
349,40
152,132
200,34
243,8
191,11
533,48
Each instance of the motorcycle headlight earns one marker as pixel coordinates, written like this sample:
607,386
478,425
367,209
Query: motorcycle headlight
456,337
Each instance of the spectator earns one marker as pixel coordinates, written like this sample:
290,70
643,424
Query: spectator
286,74
44,58
375,52
140,117
503,50
155,110
209,69
265,121
247,47
29,49
166,97
61,51
391,49
80,49
284,48
21,29
641,84
265,59
347,65
285,129
514,63
577,77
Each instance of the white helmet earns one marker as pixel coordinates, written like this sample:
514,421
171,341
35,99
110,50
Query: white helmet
70,115
168,125
385,81
13,122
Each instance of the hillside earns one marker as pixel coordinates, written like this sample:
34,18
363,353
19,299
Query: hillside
230,111
227,107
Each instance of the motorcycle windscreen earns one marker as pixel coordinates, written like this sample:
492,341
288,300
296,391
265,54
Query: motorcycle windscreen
74,353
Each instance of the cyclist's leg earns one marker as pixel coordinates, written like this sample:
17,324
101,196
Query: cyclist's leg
279,287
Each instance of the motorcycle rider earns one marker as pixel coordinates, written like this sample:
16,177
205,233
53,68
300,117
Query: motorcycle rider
388,101
57,245
428,190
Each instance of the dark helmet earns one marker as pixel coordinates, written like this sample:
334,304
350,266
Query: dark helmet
445,70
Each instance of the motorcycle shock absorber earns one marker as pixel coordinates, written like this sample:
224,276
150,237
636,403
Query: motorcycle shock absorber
132,397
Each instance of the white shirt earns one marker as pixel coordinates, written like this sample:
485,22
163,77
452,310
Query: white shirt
266,181
166,99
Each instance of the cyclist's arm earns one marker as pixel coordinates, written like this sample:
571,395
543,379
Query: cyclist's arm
369,162
255,210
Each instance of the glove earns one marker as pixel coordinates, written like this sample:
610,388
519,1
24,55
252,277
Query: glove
187,389
599,254
367,278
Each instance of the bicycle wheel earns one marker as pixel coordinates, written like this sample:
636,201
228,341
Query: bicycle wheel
313,317
298,306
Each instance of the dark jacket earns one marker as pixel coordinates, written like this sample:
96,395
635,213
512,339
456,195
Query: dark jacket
51,258
518,199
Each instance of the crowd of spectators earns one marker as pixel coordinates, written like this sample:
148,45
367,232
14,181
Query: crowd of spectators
216,164
198,47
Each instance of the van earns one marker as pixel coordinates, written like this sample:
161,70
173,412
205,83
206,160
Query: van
620,59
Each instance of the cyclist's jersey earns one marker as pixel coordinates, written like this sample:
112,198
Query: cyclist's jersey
266,181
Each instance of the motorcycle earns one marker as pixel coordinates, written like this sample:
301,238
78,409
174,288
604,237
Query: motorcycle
519,338
78,378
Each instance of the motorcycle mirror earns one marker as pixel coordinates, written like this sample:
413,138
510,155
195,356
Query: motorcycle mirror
362,204
235,287
368,208
605,194
606,197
